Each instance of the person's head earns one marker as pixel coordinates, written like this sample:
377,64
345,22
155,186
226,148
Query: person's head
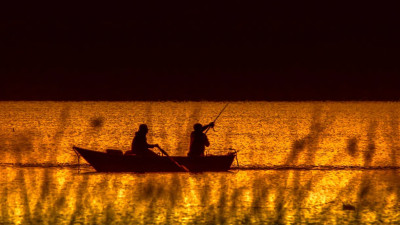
197,127
143,128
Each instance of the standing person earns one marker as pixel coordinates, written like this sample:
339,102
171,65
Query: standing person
140,146
199,140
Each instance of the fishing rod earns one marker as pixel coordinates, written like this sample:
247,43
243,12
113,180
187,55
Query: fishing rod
223,109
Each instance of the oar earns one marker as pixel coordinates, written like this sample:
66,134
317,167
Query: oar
172,160
217,117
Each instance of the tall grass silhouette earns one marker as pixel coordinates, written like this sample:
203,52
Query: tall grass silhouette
47,195
309,144
394,144
184,134
275,197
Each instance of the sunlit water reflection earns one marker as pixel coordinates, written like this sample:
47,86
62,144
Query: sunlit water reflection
342,160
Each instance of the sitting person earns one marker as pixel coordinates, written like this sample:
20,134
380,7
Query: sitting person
199,140
140,147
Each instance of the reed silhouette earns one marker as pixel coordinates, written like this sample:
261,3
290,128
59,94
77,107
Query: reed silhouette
260,191
163,133
149,118
184,134
352,146
269,198
60,131
236,196
60,202
371,147
394,144
22,146
109,214
310,143
81,202
175,193
205,194
301,192
20,178
4,202
228,136
42,195
97,122
222,203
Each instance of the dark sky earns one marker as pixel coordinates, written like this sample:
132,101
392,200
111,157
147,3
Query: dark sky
200,50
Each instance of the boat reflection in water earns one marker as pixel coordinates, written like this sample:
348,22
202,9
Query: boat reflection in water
316,162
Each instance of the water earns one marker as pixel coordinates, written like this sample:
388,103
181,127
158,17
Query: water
305,162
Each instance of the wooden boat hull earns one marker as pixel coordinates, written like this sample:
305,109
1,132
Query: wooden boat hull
104,162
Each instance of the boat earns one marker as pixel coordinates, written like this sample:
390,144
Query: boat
116,161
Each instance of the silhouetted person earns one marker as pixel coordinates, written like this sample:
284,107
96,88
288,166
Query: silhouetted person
199,140
139,143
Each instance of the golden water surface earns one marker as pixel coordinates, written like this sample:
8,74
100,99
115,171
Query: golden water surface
303,162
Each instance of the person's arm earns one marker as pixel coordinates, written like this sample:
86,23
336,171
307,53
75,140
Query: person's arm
152,146
207,126
147,144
